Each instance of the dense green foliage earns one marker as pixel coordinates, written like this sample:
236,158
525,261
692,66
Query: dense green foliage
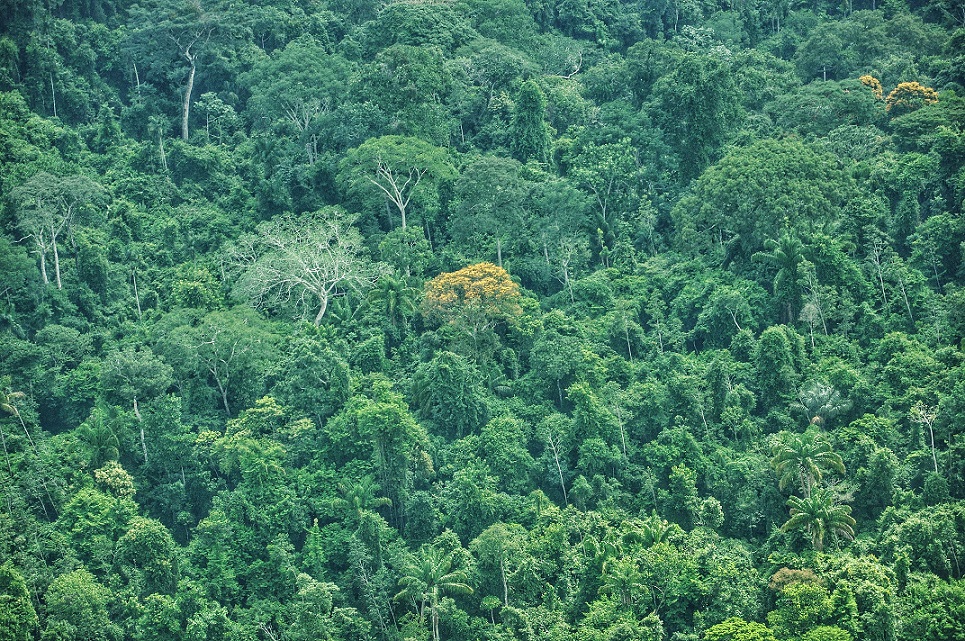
482,320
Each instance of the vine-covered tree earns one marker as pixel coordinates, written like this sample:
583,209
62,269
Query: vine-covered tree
18,619
530,138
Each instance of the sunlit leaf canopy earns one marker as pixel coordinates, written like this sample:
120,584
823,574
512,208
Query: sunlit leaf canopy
482,320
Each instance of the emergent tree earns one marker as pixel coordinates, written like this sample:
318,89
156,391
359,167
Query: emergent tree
303,261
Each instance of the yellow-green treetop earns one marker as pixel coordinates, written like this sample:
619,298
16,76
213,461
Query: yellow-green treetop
908,97
482,289
874,84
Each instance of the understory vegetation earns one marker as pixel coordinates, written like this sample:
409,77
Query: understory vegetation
482,320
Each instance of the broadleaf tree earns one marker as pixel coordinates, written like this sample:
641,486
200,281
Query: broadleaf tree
302,262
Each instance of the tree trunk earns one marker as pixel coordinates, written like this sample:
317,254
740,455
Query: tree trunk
323,305
137,298
904,296
224,399
566,281
221,389
43,479
6,454
556,457
53,94
53,243
43,262
140,425
186,107
502,570
160,144
623,433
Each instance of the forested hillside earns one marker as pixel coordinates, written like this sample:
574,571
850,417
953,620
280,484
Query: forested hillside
482,320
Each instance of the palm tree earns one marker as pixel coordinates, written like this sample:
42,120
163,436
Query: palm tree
428,577
786,254
647,533
359,502
820,515
357,497
821,403
99,435
360,499
622,580
804,458
394,298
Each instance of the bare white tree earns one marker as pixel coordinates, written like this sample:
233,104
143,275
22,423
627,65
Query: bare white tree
302,261
397,186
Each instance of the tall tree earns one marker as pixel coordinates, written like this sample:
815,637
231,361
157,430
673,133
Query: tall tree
47,208
761,191
448,393
472,300
803,458
489,196
411,84
398,169
132,374
302,261
182,26
699,105
820,516
297,91
224,352
501,547
610,173
398,444
427,578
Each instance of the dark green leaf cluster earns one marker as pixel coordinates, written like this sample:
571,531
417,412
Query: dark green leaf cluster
482,320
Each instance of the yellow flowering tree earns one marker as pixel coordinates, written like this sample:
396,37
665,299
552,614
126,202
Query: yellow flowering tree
908,97
874,84
472,301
